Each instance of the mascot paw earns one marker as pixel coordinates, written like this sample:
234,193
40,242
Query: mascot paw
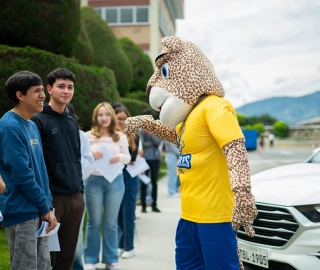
133,124
244,212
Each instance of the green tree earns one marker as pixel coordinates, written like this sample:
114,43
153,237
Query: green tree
107,50
280,129
48,25
140,62
257,126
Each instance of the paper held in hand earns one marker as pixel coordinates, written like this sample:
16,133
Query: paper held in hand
144,178
53,236
138,167
107,170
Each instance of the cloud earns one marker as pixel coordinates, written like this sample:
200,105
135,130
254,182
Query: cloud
259,49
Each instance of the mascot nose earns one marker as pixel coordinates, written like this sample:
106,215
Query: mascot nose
148,90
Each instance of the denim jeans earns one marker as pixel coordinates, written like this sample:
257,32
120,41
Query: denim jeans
171,161
127,212
101,195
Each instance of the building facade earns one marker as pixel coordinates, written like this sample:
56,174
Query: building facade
145,22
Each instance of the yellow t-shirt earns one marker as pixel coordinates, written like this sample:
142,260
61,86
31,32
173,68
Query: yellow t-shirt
206,195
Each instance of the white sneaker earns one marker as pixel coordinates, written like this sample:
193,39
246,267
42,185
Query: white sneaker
176,195
89,267
113,266
120,251
128,254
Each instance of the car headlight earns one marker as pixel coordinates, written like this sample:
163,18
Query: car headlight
311,212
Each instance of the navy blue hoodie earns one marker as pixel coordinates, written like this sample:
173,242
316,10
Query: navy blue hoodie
61,149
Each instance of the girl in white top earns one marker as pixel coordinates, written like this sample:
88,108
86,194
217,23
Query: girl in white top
103,198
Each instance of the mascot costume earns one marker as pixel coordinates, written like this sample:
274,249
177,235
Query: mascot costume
213,166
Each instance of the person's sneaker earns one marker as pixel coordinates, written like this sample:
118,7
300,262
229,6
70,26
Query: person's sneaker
176,195
89,266
128,254
155,209
113,266
120,251
143,210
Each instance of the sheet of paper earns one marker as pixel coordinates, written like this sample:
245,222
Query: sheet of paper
1,217
42,230
54,243
144,178
138,167
107,170
53,236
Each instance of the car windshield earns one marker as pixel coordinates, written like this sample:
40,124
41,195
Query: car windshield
315,158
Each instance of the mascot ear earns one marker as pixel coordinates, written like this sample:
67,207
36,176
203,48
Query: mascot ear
173,44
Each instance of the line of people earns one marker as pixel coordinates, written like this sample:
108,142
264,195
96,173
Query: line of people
47,164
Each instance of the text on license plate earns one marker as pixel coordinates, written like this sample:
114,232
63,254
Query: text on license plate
254,255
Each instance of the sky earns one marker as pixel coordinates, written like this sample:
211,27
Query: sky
259,49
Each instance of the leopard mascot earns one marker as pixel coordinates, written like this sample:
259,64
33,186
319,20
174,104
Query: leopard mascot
216,196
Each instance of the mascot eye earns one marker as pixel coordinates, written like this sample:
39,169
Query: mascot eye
165,71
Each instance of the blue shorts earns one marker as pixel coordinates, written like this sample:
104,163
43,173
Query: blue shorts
206,246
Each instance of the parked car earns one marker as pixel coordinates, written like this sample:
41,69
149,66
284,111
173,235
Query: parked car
288,223
315,157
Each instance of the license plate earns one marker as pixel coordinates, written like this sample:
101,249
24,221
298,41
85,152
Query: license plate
254,255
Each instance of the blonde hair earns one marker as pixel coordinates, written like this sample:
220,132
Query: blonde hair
113,127
130,137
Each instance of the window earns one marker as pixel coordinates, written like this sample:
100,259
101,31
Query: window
111,15
142,14
125,14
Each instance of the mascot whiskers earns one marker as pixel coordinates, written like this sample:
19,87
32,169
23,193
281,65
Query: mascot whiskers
216,196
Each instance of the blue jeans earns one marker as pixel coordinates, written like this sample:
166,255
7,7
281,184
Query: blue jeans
101,195
171,161
127,212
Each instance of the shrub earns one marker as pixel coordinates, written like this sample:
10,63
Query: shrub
47,25
258,127
280,129
93,84
82,50
106,49
140,62
135,107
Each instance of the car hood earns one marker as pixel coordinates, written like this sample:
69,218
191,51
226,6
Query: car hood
289,185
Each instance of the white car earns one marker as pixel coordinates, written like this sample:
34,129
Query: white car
288,223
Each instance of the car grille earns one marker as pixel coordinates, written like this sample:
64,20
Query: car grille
274,226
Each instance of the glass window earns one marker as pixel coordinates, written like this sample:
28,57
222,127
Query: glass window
126,15
99,11
111,15
142,14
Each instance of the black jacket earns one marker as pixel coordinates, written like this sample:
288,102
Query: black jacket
61,149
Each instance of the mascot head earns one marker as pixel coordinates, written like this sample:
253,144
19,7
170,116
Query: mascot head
183,75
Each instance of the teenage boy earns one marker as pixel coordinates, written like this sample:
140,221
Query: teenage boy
27,199
61,147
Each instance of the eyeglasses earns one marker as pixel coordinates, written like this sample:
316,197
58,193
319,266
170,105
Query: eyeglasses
121,119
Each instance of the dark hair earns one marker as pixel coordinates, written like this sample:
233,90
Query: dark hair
72,111
21,81
149,112
60,73
116,104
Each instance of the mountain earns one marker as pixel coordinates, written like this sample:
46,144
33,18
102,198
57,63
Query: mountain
287,109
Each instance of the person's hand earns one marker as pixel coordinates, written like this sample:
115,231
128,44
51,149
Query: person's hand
96,154
114,159
133,124
244,212
51,218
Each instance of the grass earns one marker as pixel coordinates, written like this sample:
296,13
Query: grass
4,250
